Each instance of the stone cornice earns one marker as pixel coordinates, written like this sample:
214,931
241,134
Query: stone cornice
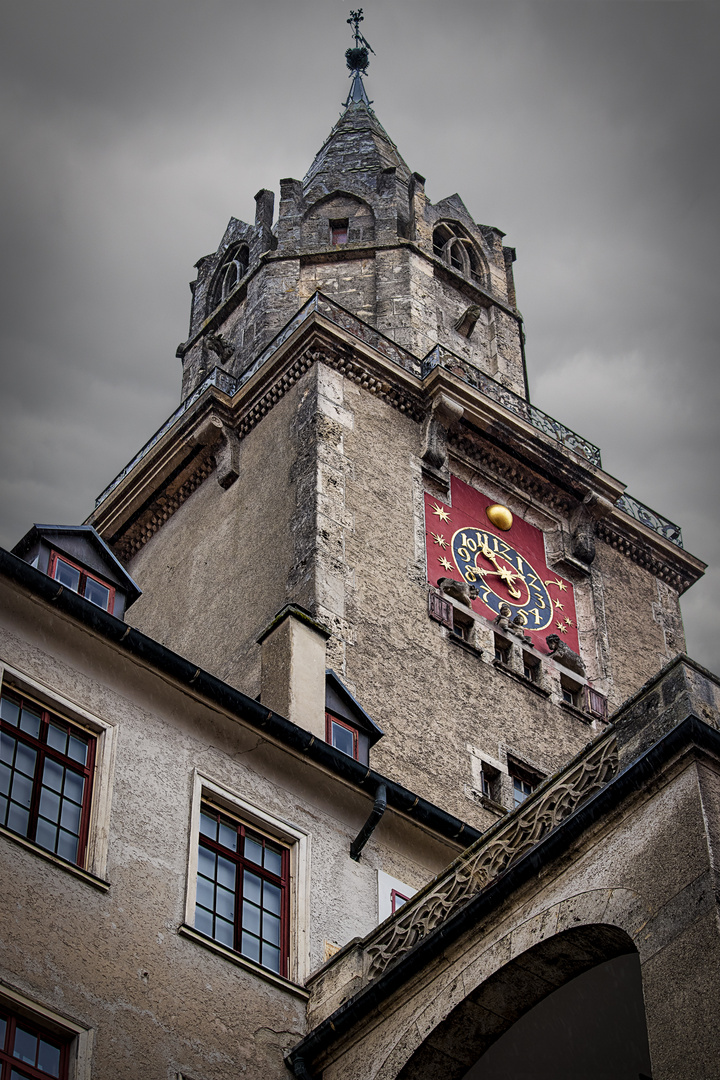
489,434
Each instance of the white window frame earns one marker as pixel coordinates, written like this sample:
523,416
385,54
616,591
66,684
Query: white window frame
298,843
104,732
80,1063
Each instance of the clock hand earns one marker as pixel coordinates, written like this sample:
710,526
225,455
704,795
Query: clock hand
506,576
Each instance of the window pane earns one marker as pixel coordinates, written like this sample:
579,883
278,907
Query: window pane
251,947
271,929
208,826
97,593
271,898
25,1048
271,957
57,738
74,786
225,933
227,836
7,748
49,1058
226,872
67,846
225,903
206,862
50,805
67,575
3,809
46,834
53,775
22,790
25,759
253,850
30,722
342,739
77,749
203,921
5,775
205,893
10,711
70,817
18,819
273,861
3,1029
251,918
251,887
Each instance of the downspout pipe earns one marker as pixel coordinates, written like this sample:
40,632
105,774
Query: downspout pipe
379,807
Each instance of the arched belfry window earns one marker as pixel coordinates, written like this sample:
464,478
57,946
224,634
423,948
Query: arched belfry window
233,268
454,247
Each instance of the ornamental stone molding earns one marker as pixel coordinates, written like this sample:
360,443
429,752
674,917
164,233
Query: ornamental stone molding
492,854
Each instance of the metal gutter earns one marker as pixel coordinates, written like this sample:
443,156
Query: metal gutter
251,712
692,731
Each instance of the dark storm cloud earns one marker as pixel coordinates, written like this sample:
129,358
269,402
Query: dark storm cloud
585,130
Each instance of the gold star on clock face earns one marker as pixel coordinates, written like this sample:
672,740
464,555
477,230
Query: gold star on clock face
440,540
568,622
558,604
560,584
561,627
444,563
442,514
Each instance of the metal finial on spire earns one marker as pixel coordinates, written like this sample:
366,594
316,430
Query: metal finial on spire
357,60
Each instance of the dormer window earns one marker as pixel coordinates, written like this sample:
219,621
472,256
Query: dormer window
75,577
347,726
339,232
232,271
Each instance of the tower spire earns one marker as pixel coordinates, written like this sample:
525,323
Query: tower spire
357,59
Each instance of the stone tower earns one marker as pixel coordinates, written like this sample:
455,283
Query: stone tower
354,393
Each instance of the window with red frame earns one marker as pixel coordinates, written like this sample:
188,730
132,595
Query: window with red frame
341,735
80,581
46,767
28,1052
242,898
397,900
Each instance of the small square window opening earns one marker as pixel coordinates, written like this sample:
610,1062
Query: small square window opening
341,735
571,692
502,650
339,232
531,668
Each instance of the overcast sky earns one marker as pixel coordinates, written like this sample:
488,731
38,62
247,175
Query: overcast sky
587,131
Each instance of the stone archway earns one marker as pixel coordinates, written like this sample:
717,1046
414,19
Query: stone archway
495,1005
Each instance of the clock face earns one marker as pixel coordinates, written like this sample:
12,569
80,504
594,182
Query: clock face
507,568
502,576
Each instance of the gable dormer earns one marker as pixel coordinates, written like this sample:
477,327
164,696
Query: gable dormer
78,558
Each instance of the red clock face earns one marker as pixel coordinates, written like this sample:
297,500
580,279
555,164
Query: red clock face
507,568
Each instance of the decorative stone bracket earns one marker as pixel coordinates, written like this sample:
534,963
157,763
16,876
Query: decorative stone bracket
593,508
443,415
226,447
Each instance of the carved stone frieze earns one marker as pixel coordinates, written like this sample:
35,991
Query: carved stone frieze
490,856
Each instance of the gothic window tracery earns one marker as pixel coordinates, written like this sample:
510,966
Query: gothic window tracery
232,270
456,249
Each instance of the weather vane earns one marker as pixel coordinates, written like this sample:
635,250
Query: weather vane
357,60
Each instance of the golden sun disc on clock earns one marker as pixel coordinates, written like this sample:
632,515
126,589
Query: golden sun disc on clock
500,517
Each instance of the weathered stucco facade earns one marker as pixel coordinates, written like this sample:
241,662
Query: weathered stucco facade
355,540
